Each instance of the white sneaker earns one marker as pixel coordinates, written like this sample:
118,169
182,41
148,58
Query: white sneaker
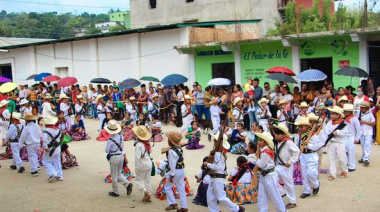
60,178
52,178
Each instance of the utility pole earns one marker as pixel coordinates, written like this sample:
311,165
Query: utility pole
365,14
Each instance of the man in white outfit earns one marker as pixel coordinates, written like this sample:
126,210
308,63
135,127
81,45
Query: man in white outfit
187,116
367,122
4,120
30,137
353,135
13,136
46,107
176,175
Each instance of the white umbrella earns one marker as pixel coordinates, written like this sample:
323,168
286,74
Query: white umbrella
219,82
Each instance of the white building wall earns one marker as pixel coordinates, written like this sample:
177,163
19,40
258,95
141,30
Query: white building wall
116,58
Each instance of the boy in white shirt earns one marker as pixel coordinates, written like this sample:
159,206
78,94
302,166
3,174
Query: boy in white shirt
215,115
353,135
367,122
263,114
238,111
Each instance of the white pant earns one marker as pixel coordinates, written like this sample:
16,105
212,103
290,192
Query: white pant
215,124
366,142
32,156
337,151
350,149
215,193
268,190
16,154
179,182
101,118
186,123
116,164
143,180
286,174
53,166
310,171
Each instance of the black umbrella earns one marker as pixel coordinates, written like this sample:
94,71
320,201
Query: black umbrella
352,72
281,77
129,83
100,80
31,77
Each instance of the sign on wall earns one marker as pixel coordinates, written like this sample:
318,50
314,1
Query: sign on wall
343,63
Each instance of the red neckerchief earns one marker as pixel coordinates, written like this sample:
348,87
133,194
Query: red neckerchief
147,146
285,139
348,119
269,152
235,182
15,121
51,127
337,121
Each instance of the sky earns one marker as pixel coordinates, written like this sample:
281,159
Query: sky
90,6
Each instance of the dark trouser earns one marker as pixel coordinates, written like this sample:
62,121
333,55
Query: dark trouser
179,115
164,115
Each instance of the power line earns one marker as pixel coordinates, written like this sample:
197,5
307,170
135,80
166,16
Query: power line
63,5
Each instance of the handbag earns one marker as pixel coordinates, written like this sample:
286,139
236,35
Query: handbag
153,172
66,138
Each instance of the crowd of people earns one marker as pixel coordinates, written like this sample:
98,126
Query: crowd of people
280,135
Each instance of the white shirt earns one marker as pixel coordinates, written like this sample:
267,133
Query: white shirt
157,124
354,128
152,106
251,158
215,111
367,129
246,178
31,134
185,112
25,110
78,109
329,128
273,98
65,108
218,166
93,97
282,118
100,108
12,131
47,111
287,97
46,139
142,158
289,153
357,102
206,179
314,144
23,93
132,112
260,116
111,147
265,162
238,114
172,160
180,96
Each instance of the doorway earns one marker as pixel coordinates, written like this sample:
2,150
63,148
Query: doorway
224,70
6,71
323,64
374,62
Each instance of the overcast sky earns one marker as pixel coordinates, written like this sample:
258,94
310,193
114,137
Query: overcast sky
90,6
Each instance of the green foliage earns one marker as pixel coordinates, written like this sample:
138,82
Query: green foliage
117,28
47,25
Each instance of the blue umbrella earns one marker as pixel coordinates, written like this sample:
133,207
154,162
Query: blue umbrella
41,76
311,75
174,79
129,83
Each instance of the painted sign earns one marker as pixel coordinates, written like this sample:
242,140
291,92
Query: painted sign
213,52
343,63
261,55
308,48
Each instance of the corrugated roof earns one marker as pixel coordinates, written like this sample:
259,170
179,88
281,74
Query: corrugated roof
7,41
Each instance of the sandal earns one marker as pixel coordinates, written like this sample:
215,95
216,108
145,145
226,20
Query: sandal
343,175
331,178
172,207
291,205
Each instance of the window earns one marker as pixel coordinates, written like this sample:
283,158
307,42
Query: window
188,1
153,4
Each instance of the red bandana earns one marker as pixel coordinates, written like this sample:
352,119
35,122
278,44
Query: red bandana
337,121
269,152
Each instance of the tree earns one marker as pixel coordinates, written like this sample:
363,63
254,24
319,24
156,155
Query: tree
117,28
93,30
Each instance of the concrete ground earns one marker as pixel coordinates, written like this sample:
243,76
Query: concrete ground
84,189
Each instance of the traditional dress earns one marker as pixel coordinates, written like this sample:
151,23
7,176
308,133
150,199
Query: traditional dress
127,130
156,133
238,144
78,132
240,191
194,139
201,197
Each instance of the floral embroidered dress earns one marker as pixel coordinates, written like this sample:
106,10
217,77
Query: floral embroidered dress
194,139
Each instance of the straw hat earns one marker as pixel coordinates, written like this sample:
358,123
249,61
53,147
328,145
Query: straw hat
313,117
29,117
175,138
48,96
50,120
281,102
142,133
160,87
320,106
283,128
302,121
100,96
113,127
3,103
132,98
238,99
154,96
365,104
267,137
63,96
343,98
23,101
337,109
303,104
188,97
225,144
263,100
16,115
79,97
348,107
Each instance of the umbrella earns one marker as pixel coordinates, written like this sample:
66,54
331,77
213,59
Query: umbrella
174,79
280,69
4,79
100,80
8,87
129,83
51,78
67,81
31,77
149,78
353,72
41,76
311,75
219,82
281,77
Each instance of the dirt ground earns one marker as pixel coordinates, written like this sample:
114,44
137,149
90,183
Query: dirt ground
84,189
